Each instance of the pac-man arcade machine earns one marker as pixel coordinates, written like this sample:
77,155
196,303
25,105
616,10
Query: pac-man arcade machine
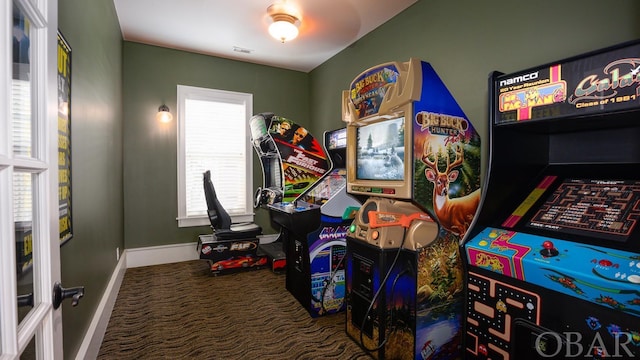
416,156
554,256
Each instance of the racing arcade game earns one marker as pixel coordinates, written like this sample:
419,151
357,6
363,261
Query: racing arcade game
316,232
553,258
292,161
415,155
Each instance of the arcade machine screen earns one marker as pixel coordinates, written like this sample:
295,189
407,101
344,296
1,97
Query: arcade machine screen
581,207
337,139
597,211
336,180
326,188
380,153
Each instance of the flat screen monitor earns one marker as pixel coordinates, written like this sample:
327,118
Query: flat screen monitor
380,151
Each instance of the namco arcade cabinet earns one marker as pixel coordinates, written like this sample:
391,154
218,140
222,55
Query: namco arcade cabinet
416,157
292,161
554,261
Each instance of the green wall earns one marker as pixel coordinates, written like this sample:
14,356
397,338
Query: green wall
89,258
151,75
465,40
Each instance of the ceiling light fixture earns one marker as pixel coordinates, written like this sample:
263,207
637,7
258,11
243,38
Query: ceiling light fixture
285,22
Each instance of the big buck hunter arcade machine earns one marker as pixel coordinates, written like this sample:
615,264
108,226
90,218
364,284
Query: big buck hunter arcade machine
412,151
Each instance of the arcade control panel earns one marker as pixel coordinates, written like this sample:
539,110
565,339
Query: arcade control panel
540,278
597,274
293,207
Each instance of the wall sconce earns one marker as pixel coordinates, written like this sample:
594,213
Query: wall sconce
285,22
163,115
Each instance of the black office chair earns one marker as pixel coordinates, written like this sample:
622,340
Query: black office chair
223,229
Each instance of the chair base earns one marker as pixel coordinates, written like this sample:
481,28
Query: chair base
226,256
238,231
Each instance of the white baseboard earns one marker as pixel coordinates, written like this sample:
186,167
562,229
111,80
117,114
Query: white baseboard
90,346
166,254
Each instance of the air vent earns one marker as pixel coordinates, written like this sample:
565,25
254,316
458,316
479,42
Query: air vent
242,50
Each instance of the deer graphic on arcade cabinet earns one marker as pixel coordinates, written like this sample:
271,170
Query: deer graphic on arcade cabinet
454,214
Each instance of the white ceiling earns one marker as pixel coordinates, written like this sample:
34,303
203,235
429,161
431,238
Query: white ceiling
216,27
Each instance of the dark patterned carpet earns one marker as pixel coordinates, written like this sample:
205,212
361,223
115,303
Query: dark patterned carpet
180,311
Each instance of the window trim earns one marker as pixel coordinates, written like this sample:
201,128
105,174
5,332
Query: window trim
190,92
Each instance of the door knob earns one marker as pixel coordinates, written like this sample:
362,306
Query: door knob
60,293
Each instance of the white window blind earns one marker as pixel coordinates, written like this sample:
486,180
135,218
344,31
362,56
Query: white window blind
21,137
214,136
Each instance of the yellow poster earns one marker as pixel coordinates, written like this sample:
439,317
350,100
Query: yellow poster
64,139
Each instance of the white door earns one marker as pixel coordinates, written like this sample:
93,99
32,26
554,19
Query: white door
29,245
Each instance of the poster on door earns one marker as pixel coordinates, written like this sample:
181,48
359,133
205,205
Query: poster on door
64,139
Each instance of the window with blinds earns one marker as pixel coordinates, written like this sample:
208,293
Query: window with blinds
213,135
21,138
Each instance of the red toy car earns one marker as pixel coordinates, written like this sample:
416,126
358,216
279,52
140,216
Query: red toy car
238,262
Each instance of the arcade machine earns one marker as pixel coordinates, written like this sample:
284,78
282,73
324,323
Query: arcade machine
554,255
316,232
415,155
292,161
